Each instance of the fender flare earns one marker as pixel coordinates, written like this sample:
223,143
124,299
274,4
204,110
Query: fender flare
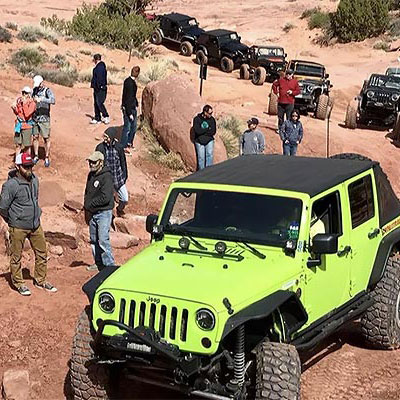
188,39
291,309
90,287
161,32
203,49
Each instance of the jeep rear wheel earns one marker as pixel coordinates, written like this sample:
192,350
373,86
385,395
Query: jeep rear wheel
351,117
322,107
226,64
244,72
278,371
259,76
156,37
186,49
395,135
201,57
273,104
89,381
381,322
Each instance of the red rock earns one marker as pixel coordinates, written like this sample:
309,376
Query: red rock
121,240
133,225
73,205
16,385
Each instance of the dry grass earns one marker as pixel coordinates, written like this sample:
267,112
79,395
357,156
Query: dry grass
158,70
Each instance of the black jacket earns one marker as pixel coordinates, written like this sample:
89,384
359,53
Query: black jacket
129,100
122,157
204,129
99,78
99,192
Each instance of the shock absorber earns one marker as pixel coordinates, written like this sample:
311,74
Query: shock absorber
239,356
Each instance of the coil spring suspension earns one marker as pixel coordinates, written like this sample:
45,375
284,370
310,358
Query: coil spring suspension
239,356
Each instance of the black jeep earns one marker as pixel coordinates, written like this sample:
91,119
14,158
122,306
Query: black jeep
222,46
263,63
378,103
177,29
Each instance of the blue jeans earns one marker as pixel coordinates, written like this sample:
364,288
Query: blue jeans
129,129
205,154
123,197
289,149
99,230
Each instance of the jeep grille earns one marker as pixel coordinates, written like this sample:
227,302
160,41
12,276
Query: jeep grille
382,97
170,322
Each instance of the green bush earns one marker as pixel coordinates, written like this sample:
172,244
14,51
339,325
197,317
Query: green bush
229,130
5,35
11,25
28,59
382,46
394,27
310,11
33,34
319,20
66,76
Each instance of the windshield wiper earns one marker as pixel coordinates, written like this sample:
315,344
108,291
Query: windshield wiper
192,239
254,250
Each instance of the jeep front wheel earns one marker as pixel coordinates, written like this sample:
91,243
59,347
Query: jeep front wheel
278,371
201,57
259,76
89,380
351,117
322,107
227,64
244,72
186,49
381,322
395,135
156,37
273,104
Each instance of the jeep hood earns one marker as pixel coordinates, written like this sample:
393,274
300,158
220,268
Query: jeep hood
309,81
201,279
272,59
234,46
308,78
194,31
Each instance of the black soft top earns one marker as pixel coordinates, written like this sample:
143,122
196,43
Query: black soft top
299,174
308,62
219,32
177,17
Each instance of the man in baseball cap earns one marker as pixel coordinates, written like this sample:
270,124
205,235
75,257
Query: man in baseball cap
99,204
252,140
19,206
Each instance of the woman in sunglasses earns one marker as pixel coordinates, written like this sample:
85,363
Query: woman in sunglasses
291,133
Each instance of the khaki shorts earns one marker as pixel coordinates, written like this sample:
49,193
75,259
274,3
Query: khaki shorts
24,138
42,128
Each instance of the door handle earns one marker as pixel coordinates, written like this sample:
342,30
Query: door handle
374,233
344,251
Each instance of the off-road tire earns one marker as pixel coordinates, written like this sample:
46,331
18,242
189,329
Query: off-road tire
259,76
244,72
380,325
156,37
395,135
278,372
351,117
351,156
273,104
226,64
321,111
201,57
186,48
89,381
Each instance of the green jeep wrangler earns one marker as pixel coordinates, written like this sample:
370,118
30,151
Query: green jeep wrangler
251,261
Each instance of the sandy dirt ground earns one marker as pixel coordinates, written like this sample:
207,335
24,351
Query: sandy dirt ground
36,332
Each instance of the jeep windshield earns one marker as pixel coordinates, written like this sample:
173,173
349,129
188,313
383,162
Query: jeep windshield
385,81
264,51
189,22
308,70
228,38
221,215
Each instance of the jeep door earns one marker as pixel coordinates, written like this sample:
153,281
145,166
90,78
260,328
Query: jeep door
213,47
327,285
363,220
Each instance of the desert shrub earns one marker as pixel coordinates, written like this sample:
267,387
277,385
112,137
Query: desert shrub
158,70
28,59
53,22
85,52
381,45
33,34
288,27
394,27
66,76
11,25
319,20
310,11
229,129
5,35
357,20
230,142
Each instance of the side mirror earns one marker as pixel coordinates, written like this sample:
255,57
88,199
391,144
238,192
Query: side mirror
285,55
151,221
326,76
323,243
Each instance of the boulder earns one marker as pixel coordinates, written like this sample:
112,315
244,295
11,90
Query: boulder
16,385
121,240
133,225
170,106
73,205
56,250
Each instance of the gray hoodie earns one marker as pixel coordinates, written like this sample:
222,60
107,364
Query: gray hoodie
251,142
19,204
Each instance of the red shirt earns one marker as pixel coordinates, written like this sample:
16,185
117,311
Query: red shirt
282,85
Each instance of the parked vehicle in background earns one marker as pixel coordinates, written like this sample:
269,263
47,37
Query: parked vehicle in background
179,29
221,46
393,71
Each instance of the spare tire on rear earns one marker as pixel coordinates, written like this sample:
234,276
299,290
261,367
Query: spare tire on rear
321,111
273,104
351,117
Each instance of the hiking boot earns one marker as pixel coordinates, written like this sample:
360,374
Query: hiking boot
46,286
95,121
24,291
93,267
47,163
106,120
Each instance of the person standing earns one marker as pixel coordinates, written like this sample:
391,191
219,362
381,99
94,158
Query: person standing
114,158
99,86
98,205
286,88
44,98
204,127
19,206
129,108
291,133
252,140
24,108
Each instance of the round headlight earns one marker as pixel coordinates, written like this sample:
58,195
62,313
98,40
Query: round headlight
395,97
370,94
309,88
205,319
107,302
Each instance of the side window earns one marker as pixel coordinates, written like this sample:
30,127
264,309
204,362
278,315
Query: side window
326,216
361,201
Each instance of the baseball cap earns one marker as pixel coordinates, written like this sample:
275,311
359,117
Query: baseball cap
26,89
24,159
111,132
96,156
289,72
37,80
252,121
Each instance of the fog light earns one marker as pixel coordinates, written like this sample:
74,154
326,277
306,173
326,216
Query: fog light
206,342
184,243
220,247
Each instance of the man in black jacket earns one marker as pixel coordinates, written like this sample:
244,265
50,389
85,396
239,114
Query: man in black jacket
114,158
98,204
204,127
129,111
99,86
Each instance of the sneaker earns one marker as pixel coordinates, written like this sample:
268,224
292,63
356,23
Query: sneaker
46,286
127,152
35,160
47,163
24,291
93,267
106,120
95,121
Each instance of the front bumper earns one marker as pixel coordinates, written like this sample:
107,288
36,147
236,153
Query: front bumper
304,101
379,113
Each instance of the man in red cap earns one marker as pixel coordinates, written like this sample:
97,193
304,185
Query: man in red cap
19,207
